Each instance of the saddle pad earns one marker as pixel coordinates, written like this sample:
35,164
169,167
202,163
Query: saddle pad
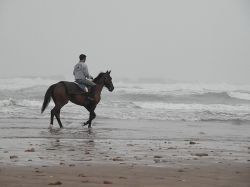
82,87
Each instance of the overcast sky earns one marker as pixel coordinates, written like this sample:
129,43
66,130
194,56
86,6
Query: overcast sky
195,40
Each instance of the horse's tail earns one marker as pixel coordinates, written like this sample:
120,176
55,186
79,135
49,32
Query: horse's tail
47,97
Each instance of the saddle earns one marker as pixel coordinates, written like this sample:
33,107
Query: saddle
84,88
73,88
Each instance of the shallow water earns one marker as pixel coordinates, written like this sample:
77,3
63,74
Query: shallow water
146,142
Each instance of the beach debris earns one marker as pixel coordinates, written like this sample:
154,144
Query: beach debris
30,160
157,156
57,140
137,158
156,160
13,156
107,182
172,148
30,150
50,149
130,144
117,159
81,175
164,160
160,178
180,170
182,180
85,181
192,143
200,154
72,165
71,149
123,178
55,183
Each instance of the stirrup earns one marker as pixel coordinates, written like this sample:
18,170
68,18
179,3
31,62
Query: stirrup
91,98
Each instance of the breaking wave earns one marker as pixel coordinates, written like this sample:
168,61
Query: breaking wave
23,97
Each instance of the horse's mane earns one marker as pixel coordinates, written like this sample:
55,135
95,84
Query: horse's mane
98,77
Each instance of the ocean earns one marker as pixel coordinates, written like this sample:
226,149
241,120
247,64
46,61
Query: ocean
23,97
135,122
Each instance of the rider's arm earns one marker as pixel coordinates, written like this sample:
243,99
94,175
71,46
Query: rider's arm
86,71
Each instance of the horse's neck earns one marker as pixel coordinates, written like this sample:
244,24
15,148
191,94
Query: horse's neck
98,88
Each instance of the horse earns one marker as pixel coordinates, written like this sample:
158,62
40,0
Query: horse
63,92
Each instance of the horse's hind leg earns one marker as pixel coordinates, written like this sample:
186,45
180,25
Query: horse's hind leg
56,112
52,114
58,118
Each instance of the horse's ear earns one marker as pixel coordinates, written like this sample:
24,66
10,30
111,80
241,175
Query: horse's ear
109,72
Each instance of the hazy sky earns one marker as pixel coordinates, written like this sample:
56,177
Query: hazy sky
191,40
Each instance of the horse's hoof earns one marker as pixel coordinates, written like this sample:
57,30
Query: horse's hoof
85,123
50,126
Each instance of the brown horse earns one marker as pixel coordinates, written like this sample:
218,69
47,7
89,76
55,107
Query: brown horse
63,92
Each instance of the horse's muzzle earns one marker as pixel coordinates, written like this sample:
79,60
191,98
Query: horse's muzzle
111,88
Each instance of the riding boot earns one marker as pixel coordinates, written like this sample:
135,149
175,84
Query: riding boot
91,96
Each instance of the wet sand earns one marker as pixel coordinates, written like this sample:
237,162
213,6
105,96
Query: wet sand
127,175
124,153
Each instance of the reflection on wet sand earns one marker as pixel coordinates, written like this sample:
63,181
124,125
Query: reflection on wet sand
155,143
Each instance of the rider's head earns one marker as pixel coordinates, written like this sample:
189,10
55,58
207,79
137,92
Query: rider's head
82,57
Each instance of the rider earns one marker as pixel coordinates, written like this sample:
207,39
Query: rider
81,74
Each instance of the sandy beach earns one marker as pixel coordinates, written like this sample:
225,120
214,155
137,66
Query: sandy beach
127,175
124,153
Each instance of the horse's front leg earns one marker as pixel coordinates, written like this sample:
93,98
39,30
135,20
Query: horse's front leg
92,116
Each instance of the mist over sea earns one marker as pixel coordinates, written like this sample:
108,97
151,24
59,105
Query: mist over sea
23,97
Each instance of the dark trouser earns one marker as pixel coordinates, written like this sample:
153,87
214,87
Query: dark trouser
85,83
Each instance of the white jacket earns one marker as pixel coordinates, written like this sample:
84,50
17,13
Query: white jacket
81,71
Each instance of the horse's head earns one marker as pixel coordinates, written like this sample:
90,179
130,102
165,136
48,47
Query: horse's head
106,80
